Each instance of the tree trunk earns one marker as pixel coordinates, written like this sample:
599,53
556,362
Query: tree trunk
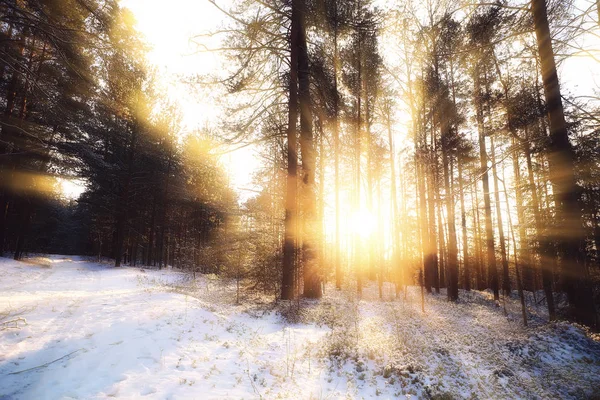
431,274
452,260
3,214
369,165
480,279
505,272
161,253
463,224
422,214
150,255
394,204
357,153
289,245
336,138
321,215
489,229
310,241
568,231
517,271
440,276
544,245
524,248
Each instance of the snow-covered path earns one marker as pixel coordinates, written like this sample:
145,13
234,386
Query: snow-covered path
122,335
83,330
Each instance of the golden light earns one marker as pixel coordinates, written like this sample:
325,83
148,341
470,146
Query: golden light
29,182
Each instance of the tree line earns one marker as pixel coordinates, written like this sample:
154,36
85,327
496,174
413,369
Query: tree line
80,102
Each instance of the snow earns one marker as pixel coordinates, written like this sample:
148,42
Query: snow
89,331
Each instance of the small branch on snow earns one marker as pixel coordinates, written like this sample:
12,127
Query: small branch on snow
7,324
48,363
252,381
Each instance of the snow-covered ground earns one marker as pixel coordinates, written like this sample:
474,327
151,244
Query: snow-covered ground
71,328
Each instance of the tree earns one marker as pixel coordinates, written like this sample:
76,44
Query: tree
568,231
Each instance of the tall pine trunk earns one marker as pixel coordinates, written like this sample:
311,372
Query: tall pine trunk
489,228
310,240
452,259
501,238
568,231
545,247
463,224
524,248
394,204
289,244
336,139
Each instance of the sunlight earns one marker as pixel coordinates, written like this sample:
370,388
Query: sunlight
29,182
71,188
168,31
299,199
363,223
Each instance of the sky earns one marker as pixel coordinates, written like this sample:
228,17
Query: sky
168,29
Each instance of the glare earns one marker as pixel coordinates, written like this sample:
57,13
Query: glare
363,223
168,31
71,188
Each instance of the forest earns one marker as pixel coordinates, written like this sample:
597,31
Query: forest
384,184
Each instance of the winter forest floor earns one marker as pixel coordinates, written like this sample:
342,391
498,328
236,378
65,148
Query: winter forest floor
70,328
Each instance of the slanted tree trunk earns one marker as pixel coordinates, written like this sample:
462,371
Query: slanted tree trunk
568,231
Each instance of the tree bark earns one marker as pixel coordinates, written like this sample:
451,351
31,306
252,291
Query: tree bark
568,231
310,242
452,260
545,247
501,238
463,224
489,228
336,139
289,245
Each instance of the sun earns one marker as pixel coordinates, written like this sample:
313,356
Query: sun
363,223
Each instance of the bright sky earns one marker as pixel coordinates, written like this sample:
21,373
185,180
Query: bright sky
168,28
